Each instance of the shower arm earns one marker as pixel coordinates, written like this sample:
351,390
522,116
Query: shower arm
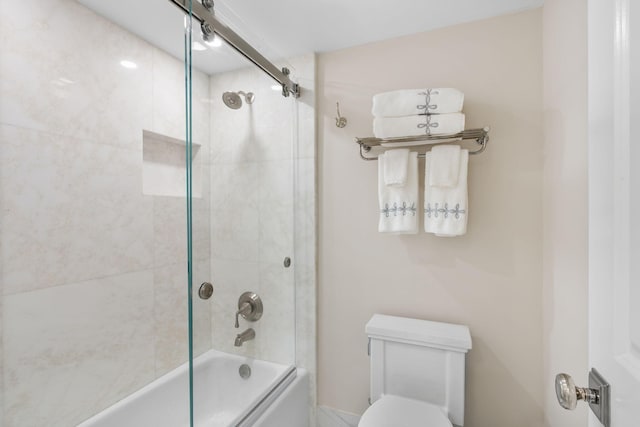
211,24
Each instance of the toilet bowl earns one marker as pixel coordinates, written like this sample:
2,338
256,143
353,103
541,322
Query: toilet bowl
417,373
396,411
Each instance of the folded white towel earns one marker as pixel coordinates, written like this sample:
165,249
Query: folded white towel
428,124
408,102
445,166
399,203
396,163
446,208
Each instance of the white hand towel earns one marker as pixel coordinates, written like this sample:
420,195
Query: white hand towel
408,102
445,166
446,208
396,163
429,124
399,203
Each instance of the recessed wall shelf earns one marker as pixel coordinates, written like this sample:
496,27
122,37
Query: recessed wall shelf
164,166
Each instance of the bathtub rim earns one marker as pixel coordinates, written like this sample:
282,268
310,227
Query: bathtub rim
245,418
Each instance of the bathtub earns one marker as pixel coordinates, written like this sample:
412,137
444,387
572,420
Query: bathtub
222,398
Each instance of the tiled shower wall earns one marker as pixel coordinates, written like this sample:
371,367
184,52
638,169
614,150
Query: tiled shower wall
92,271
263,210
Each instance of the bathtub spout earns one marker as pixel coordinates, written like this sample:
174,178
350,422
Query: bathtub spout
245,336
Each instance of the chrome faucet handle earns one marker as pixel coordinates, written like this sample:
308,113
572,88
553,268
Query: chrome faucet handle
249,307
244,310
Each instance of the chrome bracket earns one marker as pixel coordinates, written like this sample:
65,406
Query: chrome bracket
285,91
208,4
200,13
207,32
295,88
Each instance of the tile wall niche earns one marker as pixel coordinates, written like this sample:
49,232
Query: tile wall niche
164,166
263,209
92,271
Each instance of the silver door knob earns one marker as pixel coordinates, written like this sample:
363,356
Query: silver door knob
568,394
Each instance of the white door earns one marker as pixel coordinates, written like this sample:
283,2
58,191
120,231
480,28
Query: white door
614,203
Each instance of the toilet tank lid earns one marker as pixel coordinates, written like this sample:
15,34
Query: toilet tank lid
421,332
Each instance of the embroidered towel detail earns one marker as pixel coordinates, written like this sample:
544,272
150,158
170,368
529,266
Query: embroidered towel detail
396,163
398,204
444,211
408,102
429,124
396,210
446,208
445,166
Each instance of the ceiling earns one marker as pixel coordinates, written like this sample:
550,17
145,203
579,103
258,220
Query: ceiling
285,28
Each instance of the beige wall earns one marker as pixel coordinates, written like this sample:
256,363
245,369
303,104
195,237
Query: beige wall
565,189
489,279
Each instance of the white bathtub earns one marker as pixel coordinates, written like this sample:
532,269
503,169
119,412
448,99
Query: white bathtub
222,397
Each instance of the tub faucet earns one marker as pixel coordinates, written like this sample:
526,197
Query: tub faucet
245,336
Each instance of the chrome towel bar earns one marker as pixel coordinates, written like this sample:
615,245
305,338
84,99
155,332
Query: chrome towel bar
481,137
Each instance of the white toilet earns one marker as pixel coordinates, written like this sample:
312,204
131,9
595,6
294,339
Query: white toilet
417,373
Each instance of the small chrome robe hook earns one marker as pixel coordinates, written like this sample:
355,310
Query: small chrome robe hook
340,121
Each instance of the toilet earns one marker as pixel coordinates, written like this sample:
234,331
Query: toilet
417,373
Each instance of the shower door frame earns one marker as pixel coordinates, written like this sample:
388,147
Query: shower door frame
212,25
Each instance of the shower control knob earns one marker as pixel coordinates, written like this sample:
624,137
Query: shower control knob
249,307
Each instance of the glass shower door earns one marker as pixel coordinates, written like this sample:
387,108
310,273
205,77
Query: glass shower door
241,145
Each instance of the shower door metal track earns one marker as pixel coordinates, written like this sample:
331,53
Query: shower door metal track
208,19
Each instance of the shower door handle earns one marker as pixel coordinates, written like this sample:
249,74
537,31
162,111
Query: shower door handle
205,291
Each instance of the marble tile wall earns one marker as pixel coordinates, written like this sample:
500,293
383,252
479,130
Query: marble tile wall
263,209
252,214
92,272
78,348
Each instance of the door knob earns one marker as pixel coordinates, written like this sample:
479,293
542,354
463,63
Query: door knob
597,395
568,394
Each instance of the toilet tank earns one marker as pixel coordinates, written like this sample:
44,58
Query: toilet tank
419,359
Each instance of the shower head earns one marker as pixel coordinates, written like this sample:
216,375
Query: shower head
233,100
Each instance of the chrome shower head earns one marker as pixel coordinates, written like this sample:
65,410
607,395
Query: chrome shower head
233,100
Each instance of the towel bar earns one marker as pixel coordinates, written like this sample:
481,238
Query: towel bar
481,137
